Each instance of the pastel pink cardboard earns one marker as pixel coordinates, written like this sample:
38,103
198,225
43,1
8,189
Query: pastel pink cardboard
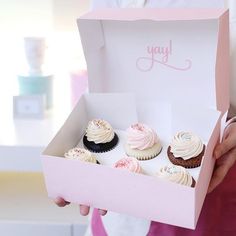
155,14
222,64
117,190
78,84
107,188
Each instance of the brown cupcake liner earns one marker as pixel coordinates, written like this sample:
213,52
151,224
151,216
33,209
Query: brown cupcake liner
190,163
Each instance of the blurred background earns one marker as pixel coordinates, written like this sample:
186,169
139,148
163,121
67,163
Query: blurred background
24,206
28,128
53,19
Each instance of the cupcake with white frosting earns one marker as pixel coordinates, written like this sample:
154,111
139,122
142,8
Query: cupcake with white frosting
176,174
81,154
100,136
142,142
186,149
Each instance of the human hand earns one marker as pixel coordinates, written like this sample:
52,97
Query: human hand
84,210
225,154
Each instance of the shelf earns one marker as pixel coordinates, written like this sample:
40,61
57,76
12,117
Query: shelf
23,140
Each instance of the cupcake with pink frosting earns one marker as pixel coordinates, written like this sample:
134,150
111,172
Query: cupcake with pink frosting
142,142
130,164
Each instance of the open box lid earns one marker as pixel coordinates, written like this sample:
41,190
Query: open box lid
175,55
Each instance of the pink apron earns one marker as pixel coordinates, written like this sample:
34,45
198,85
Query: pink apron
218,216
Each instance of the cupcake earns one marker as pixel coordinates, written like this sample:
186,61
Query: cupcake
176,174
100,136
142,142
186,149
81,154
130,164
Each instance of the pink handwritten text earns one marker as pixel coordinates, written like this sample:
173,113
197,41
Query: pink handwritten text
160,55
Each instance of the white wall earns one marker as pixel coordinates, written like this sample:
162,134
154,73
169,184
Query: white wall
34,16
21,16
66,12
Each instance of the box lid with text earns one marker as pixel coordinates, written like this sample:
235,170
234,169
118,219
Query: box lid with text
173,55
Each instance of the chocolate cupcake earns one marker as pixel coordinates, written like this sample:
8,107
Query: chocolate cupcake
142,142
176,174
186,149
81,154
100,136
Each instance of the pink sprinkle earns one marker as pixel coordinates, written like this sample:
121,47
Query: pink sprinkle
137,127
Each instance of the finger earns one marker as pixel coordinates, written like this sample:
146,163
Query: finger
218,176
84,210
221,170
226,134
229,133
102,212
61,202
225,146
229,130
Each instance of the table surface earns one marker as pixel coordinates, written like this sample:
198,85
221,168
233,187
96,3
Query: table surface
24,198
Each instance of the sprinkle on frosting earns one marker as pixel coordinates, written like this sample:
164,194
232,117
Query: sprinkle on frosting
99,131
176,174
80,154
186,145
128,163
141,137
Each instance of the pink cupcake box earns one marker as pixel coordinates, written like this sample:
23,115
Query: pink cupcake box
166,68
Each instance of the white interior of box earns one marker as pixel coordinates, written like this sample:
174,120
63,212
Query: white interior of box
155,60
164,118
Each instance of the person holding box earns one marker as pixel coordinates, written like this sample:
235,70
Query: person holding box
219,210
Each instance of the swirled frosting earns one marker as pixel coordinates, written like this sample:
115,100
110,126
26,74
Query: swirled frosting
141,137
186,145
80,154
176,174
99,131
129,163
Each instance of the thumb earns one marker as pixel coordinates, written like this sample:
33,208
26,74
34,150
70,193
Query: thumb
225,146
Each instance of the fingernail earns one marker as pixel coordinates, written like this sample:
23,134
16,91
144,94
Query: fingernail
209,190
84,210
102,212
216,154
